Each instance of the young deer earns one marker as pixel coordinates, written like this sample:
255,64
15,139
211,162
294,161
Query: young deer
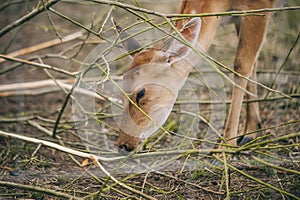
168,60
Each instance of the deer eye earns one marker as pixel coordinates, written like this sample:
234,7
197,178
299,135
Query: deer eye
140,95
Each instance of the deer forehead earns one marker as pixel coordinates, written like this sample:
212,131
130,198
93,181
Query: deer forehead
148,56
161,74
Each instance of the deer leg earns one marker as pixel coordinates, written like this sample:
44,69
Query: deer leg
251,34
253,121
208,31
210,24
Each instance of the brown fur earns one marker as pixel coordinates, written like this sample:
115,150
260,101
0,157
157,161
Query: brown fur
251,30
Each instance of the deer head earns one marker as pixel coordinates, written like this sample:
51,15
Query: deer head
152,83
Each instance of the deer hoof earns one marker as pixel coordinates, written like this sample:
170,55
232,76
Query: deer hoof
244,140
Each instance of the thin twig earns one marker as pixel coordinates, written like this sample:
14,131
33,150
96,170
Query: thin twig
75,22
283,64
276,166
26,17
258,144
257,180
51,21
189,183
6,57
231,13
227,176
44,45
58,147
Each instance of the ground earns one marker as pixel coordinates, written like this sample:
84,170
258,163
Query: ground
266,169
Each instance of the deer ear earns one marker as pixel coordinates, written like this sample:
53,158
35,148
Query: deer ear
129,44
190,31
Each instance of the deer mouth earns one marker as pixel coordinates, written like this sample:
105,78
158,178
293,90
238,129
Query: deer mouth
127,143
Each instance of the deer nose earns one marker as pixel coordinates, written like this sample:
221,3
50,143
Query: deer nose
123,150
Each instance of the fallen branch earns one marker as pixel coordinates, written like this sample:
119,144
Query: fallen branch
58,147
40,87
44,45
45,66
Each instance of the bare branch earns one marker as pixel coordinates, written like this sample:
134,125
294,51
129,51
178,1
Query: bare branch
27,17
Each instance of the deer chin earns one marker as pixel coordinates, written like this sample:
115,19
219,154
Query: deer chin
159,115
127,143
